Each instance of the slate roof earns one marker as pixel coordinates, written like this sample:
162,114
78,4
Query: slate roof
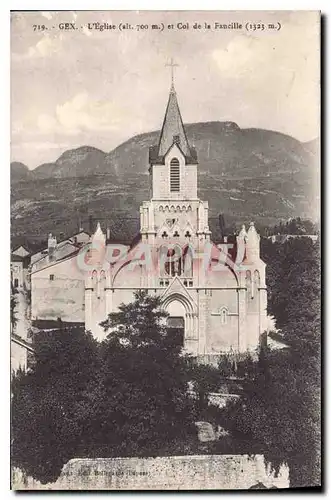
173,125
39,265
172,131
19,258
23,242
21,249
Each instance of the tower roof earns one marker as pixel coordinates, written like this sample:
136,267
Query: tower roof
173,129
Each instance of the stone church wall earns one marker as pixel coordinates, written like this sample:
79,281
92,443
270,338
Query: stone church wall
61,296
129,275
222,327
120,296
252,329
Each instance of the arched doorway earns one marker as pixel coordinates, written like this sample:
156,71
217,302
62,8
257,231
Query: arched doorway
176,321
183,313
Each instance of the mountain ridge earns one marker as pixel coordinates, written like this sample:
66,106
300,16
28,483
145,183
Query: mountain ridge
92,160
246,174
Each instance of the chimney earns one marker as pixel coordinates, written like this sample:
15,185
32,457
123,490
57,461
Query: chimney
52,243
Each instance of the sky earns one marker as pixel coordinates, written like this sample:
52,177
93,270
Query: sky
71,88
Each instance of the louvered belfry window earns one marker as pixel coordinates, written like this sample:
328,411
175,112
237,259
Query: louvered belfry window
174,175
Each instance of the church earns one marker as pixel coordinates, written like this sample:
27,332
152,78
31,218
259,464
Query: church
217,297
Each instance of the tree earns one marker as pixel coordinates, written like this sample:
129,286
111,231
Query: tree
226,366
294,282
295,226
246,367
53,404
205,379
146,408
280,409
126,396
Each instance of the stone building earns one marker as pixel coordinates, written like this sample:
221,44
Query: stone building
215,294
20,345
19,265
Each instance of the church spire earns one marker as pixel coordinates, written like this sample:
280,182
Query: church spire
173,129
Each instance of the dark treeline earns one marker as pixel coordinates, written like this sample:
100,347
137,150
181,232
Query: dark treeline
280,408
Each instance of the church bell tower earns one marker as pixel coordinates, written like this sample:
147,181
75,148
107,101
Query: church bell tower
174,219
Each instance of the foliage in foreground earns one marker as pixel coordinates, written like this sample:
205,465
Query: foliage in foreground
124,397
53,404
280,408
128,395
280,411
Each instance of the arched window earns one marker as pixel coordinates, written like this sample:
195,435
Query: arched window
188,261
174,175
224,315
174,264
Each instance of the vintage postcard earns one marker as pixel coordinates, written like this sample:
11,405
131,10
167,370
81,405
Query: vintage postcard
165,250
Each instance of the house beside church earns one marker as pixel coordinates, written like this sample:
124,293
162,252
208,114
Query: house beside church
215,294
19,265
20,346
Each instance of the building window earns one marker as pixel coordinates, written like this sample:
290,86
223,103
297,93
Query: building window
173,264
51,277
224,315
15,283
188,261
174,175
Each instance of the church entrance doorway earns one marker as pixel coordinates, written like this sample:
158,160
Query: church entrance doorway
176,329
176,322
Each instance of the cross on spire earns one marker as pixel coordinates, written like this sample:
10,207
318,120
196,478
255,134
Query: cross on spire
172,65
173,129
